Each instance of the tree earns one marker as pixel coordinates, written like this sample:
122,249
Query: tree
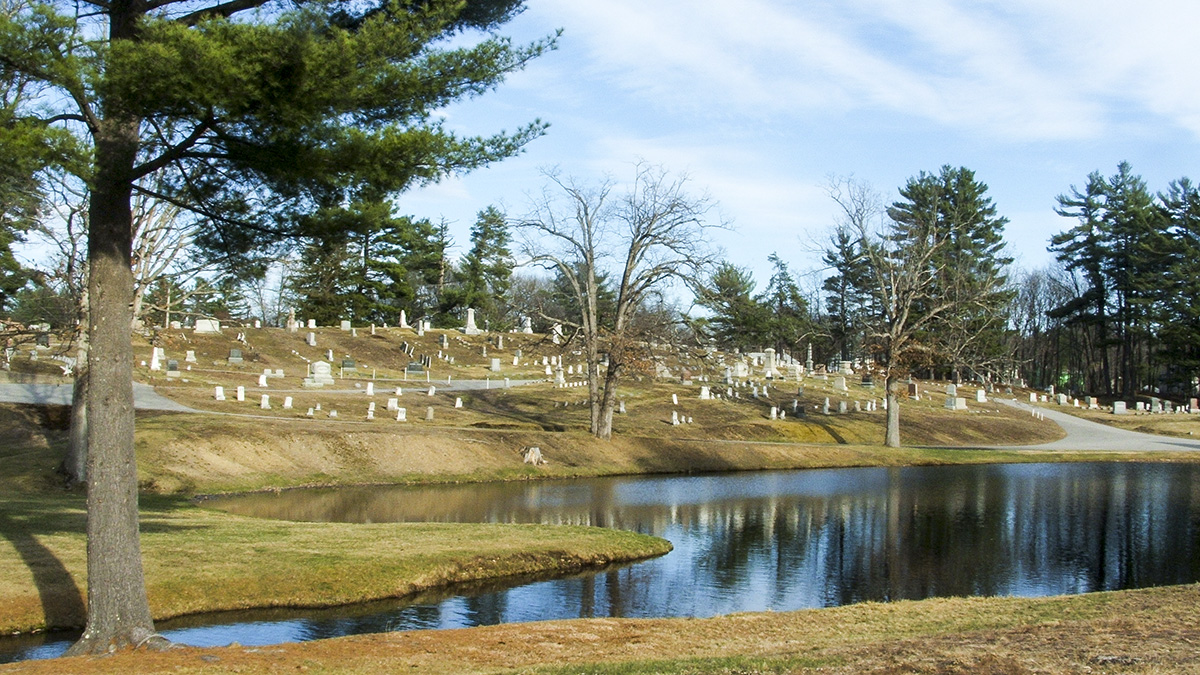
654,233
972,268
259,113
486,270
906,255
738,320
847,291
788,321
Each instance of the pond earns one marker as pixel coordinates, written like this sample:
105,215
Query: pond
767,541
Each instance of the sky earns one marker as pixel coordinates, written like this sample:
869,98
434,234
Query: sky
759,103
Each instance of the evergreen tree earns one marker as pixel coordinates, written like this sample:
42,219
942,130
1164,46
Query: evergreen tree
259,112
847,292
788,321
738,320
485,273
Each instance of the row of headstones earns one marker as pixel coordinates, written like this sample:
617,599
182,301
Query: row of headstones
393,404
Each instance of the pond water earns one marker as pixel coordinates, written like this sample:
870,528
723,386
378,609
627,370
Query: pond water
767,541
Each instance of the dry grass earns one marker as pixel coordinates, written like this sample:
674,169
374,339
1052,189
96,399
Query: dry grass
1146,632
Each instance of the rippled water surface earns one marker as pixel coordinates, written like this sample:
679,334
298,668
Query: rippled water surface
770,541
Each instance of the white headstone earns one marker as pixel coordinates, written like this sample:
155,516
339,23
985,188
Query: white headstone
241,393
265,403
370,389
190,356
980,396
208,326
287,402
457,402
527,325
1118,407
432,390
429,414
312,323
262,380
311,339
495,365
393,403
401,415
675,417
219,394
345,325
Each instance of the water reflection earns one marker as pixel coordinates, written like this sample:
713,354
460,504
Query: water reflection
787,540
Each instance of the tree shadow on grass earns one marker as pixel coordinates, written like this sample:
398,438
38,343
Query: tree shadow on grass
62,600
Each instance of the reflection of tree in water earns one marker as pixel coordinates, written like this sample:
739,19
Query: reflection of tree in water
809,539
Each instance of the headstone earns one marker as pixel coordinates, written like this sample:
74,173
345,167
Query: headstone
980,396
444,341
312,323
262,381
190,356
432,390
241,394
675,418
769,369
393,403
403,320
825,408
499,342
333,413
556,333
471,328
621,406
1118,407
353,332
172,368
429,414
1194,405
952,390
495,365
257,323
1033,397
235,356
516,361
349,366
674,399
370,389
219,393
457,402
287,402
951,403
914,391
527,325
322,374
311,339
844,367
842,409
401,414
774,414
1061,399
345,325
208,326
705,394
839,383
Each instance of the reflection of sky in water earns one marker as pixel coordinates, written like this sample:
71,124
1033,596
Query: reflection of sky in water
781,541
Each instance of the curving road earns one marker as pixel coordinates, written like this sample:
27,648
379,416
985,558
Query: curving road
1087,435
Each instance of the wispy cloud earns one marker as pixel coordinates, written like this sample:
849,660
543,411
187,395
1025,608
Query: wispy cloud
1022,69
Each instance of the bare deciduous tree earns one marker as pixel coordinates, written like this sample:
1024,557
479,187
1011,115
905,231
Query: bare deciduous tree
653,233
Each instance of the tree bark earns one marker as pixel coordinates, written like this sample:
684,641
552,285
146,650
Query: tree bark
892,436
118,609
75,463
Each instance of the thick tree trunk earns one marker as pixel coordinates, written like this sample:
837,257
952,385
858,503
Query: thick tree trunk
118,610
608,403
892,436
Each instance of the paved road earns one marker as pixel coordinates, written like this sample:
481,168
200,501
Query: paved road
1086,435
144,397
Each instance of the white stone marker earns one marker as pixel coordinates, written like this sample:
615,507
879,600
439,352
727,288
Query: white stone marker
432,390
457,402
287,402
370,389
429,414
241,393
393,403
401,414
675,417
265,403
219,394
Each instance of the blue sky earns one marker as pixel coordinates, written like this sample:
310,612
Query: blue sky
759,102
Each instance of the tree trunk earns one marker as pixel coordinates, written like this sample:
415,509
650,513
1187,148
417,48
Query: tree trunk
608,403
75,463
892,437
118,610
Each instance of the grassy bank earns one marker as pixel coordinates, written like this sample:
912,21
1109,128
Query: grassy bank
1155,631
202,561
